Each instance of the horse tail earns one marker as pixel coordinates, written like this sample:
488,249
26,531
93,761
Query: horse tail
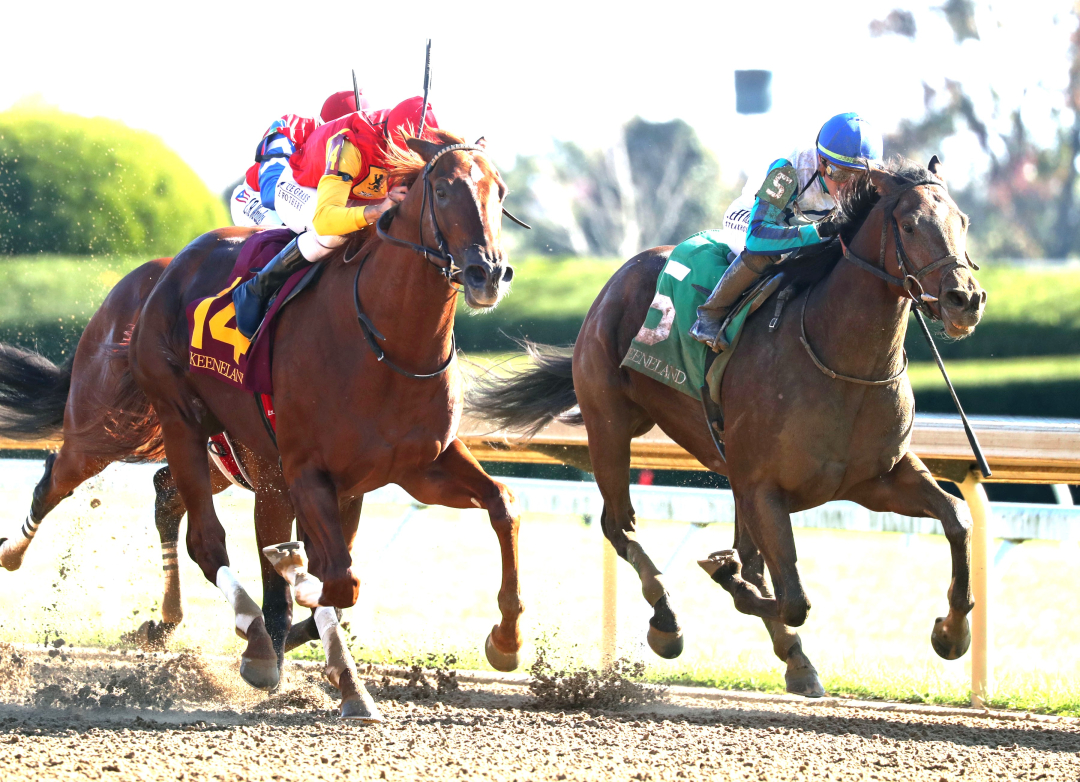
525,399
33,394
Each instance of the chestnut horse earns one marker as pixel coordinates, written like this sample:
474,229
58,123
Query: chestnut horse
41,401
795,437
352,415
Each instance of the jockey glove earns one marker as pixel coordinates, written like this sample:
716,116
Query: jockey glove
828,227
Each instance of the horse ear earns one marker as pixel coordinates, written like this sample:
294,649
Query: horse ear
481,142
936,167
422,147
881,179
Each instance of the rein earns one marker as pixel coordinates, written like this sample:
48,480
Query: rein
836,375
911,280
446,264
371,334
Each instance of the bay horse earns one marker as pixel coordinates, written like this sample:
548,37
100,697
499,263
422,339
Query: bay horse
351,416
795,437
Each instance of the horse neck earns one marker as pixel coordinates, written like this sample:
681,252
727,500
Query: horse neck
406,299
855,320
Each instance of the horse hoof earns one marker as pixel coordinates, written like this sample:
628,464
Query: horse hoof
947,647
500,660
721,566
804,681
11,553
154,636
260,674
665,644
362,708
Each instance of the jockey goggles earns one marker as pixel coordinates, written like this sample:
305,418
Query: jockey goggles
838,174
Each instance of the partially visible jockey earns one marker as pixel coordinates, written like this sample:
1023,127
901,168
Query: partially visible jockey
252,202
793,208
336,183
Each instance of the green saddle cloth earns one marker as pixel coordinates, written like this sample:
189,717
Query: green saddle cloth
663,348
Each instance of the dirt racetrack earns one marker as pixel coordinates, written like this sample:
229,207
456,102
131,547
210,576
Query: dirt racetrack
69,715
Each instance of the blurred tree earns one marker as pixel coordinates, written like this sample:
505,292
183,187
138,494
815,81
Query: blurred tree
1025,207
655,185
78,185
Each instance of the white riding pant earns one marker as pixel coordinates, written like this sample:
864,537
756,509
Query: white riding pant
737,222
296,207
248,210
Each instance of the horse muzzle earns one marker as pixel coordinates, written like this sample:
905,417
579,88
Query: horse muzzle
485,282
961,305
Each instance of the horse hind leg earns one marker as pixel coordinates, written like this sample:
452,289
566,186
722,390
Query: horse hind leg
801,677
168,513
64,472
610,427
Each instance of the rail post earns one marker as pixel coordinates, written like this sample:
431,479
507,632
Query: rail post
609,604
981,539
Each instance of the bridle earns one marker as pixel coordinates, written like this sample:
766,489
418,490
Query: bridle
444,262
910,283
439,257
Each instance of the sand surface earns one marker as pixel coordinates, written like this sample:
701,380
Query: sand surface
130,716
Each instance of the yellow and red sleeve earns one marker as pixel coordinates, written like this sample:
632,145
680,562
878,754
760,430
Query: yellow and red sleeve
333,215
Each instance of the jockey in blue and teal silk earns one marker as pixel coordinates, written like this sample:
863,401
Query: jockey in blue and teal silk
792,208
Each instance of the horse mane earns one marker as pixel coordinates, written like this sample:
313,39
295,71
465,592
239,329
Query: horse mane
404,165
856,200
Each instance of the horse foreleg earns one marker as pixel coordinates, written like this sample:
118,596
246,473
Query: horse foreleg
910,490
766,522
273,524
800,678
64,471
457,480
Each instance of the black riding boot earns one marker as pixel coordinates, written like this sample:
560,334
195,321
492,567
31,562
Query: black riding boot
253,297
744,271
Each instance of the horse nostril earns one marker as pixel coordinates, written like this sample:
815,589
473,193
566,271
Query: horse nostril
508,274
956,300
982,298
476,276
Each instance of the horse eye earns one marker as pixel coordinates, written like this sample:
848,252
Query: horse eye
440,192
908,229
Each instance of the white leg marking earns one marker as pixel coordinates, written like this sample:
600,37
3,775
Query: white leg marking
246,609
338,658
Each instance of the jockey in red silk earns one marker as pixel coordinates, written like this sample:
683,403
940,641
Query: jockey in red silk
336,183
252,202
792,209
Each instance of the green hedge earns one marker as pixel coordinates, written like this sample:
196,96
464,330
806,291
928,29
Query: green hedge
71,184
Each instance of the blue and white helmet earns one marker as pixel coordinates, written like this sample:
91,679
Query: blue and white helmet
847,139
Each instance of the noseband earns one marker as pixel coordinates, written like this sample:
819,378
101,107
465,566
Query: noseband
911,282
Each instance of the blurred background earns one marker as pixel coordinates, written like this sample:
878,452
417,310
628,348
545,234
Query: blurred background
124,127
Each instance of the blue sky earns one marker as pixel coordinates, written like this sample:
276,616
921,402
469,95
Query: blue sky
208,77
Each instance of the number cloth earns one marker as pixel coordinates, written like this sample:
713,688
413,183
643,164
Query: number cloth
216,348
663,349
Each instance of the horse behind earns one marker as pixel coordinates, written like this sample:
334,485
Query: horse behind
795,437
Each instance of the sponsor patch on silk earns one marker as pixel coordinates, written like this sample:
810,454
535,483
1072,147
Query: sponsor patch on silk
779,187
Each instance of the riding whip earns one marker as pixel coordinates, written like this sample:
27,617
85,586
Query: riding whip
355,90
427,86
984,467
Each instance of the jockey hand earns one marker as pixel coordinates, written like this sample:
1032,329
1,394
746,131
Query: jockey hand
395,196
829,226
